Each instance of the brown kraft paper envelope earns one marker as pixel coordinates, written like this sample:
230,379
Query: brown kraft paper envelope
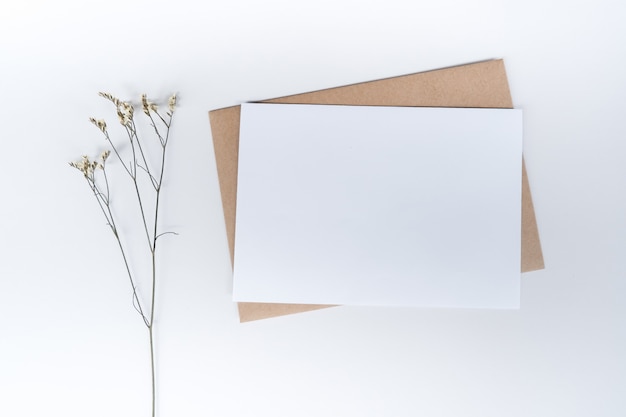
483,84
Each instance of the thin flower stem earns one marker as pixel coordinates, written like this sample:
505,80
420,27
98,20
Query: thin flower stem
132,147
132,283
154,248
153,180
143,214
106,211
156,130
106,134
117,237
101,201
143,155
163,120
152,368
133,176
139,161
166,233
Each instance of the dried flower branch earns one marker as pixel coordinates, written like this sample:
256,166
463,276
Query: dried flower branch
134,161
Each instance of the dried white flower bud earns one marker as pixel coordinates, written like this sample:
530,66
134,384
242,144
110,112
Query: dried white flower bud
128,108
111,98
171,103
105,155
145,105
99,123
125,113
85,166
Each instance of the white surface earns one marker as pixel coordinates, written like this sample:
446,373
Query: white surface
379,206
71,345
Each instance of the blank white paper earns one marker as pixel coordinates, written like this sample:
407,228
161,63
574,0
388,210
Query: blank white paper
390,206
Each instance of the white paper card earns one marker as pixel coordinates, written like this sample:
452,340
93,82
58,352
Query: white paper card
364,205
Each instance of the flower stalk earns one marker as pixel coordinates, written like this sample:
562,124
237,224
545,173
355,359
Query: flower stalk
137,164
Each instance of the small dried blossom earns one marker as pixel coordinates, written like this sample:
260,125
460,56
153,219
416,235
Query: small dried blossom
85,166
99,123
171,102
103,157
145,105
148,106
125,113
111,98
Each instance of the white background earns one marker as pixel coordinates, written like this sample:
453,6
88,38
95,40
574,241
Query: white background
71,343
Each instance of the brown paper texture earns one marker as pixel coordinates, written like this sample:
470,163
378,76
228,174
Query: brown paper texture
482,84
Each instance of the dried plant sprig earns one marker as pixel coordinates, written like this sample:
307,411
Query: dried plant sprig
134,159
